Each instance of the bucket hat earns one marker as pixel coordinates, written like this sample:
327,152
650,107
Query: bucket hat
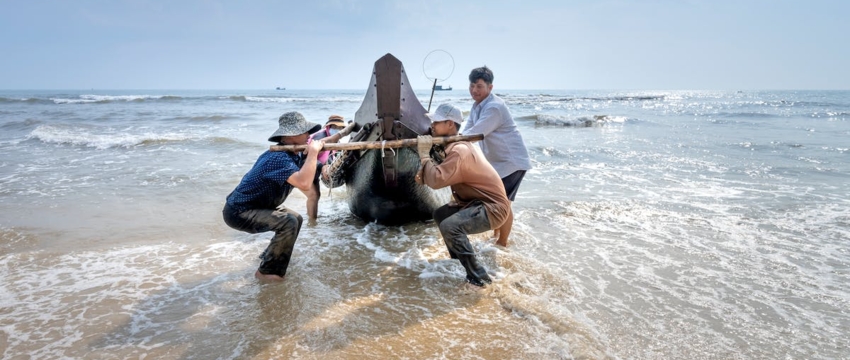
293,124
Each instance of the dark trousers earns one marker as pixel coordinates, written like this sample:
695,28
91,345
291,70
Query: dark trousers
286,225
511,183
455,224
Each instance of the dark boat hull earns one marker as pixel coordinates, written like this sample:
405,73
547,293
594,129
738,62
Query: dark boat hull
380,182
372,200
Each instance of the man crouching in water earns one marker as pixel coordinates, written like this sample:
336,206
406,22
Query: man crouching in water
256,205
479,202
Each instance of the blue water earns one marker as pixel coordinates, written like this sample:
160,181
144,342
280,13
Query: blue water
655,224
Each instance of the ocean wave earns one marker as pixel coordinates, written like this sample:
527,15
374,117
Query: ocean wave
551,151
563,121
626,98
224,140
29,100
205,118
277,99
830,114
18,125
533,99
786,103
791,103
773,145
751,115
14,240
104,99
88,137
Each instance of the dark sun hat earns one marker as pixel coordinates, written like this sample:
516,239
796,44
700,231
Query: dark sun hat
293,124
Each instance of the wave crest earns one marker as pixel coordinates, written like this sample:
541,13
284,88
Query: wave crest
104,99
29,100
534,99
82,136
564,121
17,125
276,99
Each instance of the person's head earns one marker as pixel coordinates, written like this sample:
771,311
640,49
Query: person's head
293,129
335,124
480,83
445,120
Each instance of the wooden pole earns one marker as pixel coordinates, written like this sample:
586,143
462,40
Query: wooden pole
434,87
388,144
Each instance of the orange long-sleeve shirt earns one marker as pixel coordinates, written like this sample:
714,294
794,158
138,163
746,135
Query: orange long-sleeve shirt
471,178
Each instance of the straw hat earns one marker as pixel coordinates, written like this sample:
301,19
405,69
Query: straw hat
336,120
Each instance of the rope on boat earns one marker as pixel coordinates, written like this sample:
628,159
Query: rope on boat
383,145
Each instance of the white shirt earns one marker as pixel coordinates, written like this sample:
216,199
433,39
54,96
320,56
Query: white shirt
502,145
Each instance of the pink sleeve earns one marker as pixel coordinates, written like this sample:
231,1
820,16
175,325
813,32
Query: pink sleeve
323,156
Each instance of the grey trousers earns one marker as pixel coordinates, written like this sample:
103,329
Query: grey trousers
286,225
455,224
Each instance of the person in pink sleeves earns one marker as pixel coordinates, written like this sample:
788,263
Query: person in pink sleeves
334,125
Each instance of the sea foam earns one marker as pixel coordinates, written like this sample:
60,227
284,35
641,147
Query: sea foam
81,136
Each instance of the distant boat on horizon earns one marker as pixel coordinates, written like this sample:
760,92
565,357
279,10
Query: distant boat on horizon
440,87
280,88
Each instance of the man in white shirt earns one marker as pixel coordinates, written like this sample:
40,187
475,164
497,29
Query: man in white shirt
502,145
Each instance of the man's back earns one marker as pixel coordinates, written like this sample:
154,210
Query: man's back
471,178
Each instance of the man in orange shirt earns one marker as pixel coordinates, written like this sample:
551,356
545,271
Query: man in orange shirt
479,202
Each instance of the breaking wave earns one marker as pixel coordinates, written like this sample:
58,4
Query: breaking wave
88,137
538,98
104,99
275,99
564,121
31,100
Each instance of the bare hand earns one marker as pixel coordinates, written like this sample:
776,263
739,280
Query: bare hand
315,146
423,146
418,179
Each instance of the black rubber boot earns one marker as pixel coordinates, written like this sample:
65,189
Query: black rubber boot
275,259
475,273
271,265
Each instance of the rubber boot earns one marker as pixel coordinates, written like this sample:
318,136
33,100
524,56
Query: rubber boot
274,265
475,273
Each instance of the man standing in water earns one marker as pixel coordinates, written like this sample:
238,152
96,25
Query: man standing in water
256,205
479,202
502,144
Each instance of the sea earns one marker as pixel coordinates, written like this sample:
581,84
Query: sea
654,225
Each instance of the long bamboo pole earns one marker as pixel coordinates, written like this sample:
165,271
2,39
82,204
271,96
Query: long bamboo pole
362,145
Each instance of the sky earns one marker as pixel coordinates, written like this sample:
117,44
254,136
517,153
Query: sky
333,44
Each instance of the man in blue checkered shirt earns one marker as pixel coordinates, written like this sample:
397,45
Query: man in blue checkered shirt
256,205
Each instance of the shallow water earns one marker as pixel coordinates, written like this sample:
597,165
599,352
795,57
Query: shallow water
654,225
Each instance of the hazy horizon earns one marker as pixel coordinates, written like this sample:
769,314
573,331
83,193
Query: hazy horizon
545,45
